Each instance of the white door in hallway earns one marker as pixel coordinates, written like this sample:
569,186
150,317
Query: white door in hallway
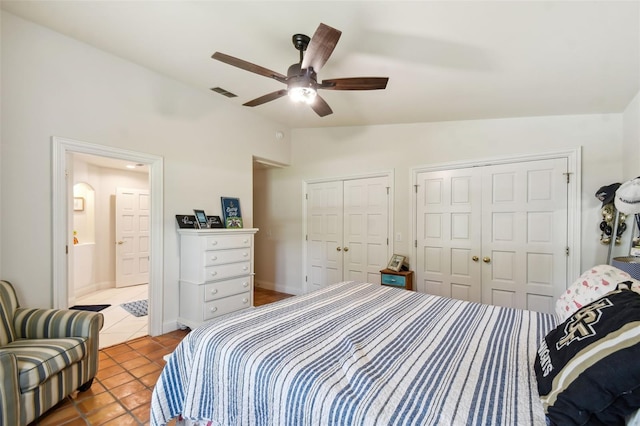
494,234
347,230
132,237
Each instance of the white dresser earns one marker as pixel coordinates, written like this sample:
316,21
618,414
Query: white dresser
216,273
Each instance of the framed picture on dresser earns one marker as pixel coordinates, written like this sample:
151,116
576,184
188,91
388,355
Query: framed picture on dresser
231,214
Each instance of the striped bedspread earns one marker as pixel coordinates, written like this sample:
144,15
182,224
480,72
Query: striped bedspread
358,354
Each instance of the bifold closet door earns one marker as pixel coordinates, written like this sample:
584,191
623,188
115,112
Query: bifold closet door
524,234
494,234
347,231
448,233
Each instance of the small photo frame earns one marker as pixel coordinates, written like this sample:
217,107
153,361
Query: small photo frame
395,264
215,222
201,219
78,204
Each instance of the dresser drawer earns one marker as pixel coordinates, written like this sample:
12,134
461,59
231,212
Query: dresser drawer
220,257
218,242
394,280
224,306
226,288
226,271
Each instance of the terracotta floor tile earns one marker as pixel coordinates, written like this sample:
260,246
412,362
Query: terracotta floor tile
127,389
149,347
158,356
106,363
151,379
91,404
117,349
137,399
126,356
124,420
96,389
106,413
59,415
117,380
110,371
134,363
145,369
142,413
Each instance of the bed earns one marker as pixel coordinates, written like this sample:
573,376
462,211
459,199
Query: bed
357,354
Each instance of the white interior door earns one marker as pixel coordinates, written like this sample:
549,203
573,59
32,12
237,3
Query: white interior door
524,234
366,218
324,234
132,237
495,234
347,230
448,233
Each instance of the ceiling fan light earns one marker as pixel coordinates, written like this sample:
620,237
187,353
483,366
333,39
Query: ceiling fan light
302,94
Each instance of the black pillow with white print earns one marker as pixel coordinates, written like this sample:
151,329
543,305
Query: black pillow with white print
588,368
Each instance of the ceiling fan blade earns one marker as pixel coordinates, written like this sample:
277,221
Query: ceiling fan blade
355,83
320,47
248,66
321,107
266,98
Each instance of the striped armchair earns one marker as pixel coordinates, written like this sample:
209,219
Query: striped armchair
45,355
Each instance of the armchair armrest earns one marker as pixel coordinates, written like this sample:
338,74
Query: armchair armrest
34,323
10,395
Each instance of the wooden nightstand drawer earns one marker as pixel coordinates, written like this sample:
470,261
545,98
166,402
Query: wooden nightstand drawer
394,280
400,279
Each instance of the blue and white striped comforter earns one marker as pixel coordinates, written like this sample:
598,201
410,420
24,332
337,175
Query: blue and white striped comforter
358,354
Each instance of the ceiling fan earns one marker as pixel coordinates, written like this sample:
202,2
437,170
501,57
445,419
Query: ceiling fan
301,78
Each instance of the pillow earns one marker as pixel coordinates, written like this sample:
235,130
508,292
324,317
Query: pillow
592,284
587,368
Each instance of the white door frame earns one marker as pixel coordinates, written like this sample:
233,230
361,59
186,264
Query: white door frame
60,237
574,202
389,174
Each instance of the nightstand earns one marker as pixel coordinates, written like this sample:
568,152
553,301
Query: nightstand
400,279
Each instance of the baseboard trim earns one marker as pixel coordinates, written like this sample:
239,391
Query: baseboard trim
280,288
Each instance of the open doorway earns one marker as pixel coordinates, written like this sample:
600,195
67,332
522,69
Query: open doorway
109,258
64,151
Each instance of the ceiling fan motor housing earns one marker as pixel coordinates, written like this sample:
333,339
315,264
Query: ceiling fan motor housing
297,77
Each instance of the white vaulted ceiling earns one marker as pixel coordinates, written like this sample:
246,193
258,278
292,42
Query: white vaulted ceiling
446,60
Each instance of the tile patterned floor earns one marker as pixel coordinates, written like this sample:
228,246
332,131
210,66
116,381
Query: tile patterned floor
127,373
119,325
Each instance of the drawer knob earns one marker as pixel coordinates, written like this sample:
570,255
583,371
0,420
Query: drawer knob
214,257
245,241
213,309
214,273
245,300
245,254
393,280
244,268
214,243
214,291
245,284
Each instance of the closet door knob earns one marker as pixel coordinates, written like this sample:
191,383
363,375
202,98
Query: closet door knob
486,259
338,248
475,258
346,249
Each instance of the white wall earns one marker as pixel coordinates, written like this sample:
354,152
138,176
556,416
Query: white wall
341,152
55,86
631,140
